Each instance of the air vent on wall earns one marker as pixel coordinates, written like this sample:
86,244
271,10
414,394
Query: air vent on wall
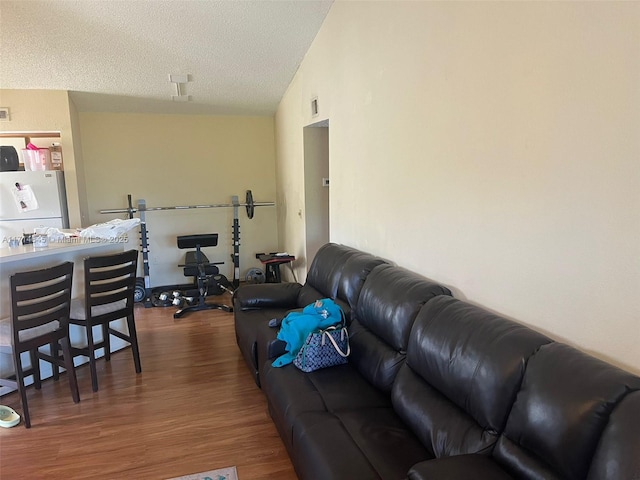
314,107
4,114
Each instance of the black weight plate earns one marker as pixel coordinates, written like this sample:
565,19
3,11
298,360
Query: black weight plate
139,292
156,302
250,206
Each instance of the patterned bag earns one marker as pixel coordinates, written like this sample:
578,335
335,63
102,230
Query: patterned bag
324,348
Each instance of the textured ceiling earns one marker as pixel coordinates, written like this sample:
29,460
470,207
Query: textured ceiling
116,56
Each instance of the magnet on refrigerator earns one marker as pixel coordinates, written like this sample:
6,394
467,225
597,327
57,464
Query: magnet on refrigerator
48,194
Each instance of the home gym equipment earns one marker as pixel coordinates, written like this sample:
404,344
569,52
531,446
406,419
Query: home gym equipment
198,266
186,295
249,205
143,286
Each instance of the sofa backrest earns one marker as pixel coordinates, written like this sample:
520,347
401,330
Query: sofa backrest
324,273
354,273
464,367
387,306
560,413
337,272
617,454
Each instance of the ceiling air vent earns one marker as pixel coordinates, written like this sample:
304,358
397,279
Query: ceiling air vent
180,81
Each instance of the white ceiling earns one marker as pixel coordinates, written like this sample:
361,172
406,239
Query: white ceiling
116,56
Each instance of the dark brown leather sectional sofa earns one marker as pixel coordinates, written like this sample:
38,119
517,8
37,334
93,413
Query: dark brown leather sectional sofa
435,387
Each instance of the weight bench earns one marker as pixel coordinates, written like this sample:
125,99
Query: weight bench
197,265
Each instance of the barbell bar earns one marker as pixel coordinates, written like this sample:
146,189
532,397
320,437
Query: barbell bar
249,205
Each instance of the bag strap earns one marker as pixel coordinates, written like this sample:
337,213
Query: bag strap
335,345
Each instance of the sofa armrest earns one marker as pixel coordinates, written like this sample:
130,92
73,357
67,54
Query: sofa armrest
458,467
266,295
273,348
268,348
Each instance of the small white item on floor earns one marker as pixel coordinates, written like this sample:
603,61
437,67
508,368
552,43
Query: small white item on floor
8,417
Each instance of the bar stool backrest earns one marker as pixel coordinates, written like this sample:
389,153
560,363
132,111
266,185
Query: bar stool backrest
40,303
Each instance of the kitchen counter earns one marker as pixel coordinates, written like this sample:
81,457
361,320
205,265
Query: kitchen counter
69,244
26,258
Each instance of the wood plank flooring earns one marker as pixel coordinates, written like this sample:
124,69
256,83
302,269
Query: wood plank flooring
193,408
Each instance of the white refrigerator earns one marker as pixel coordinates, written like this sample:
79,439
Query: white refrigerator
29,200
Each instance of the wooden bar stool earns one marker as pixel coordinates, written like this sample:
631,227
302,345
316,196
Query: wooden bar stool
40,305
109,283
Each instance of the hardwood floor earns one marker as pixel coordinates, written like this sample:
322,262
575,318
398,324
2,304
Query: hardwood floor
193,408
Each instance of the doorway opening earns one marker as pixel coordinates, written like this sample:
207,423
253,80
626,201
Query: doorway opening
316,186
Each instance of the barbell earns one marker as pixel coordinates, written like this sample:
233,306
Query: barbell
250,205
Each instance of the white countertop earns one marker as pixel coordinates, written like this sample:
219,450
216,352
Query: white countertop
24,252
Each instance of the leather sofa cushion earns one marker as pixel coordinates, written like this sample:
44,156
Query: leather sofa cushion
291,392
472,356
354,273
266,295
464,367
366,346
370,443
308,295
617,455
560,413
322,448
326,269
343,388
247,326
390,299
460,467
443,427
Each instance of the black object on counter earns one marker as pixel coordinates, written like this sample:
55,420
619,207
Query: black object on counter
9,159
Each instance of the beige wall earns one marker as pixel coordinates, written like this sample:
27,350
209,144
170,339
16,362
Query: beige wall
50,111
290,176
171,160
79,165
493,147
